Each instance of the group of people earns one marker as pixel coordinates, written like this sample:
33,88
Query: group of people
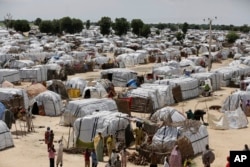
116,159
49,140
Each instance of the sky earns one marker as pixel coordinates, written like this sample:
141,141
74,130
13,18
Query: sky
235,12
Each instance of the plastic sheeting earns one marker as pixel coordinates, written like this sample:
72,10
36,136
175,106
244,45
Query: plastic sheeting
214,77
51,102
80,108
9,93
10,75
152,94
199,139
120,76
76,83
36,73
164,113
165,91
106,122
189,86
234,119
6,139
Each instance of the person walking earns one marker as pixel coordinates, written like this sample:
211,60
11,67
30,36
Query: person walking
46,137
175,158
87,157
52,154
94,158
208,156
246,148
99,145
138,136
228,161
113,156
59,159
51,138
166,164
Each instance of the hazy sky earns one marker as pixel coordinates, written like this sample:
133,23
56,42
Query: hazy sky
236,12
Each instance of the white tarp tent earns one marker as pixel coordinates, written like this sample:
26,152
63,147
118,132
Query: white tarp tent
215,79
119,76
234,119
7,94
165,113
165,91
80,108
51,103
36,73
106,122
147,93
6,139
189,86
11,75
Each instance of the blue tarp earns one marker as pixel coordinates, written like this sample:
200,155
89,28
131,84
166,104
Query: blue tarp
2,110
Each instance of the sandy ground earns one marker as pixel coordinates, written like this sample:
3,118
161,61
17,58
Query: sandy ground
30,150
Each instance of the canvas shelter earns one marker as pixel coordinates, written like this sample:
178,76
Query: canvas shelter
6,84
119,76
6,140
49,103
230,119
75,86
94,90
165,91
214,78
35,73
11,75
146,93
105,122
18,64
35,89
14,97
58,87
166,114
183,87
80,108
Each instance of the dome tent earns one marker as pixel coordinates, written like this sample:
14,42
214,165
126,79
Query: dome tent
6,139
49,103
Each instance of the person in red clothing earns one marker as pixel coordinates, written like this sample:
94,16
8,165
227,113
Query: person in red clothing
228,162
52,153
87,158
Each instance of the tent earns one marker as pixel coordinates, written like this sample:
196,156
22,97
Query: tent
58,87
165,91
6,139
119,76
215,79
11,75
14,97
189,87
49,103
165,113
35,73
234,119
106,122
35,89
75,86
80,108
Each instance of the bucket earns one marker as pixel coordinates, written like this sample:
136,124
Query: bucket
132,83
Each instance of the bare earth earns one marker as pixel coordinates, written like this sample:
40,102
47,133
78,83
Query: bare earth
30,150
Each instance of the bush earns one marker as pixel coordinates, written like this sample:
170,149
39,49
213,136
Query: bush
232,37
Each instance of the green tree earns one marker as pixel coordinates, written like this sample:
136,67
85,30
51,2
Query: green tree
232,37
87,24
46,26
136,25
105,25
21,25
37,21
56,27
179,36
244,28
66,24
77,25
145,30
185,28
121,26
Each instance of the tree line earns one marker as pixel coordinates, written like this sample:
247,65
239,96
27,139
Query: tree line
120,26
